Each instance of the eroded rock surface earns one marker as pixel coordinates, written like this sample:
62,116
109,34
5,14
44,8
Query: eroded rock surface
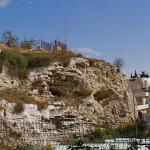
83,94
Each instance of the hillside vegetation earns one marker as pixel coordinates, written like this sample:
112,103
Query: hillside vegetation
18,64
19,61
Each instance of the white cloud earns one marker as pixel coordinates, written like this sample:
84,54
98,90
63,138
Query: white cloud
4,3
89,52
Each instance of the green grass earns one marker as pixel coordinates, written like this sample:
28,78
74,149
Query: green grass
19,64
15,62
36,61
100,134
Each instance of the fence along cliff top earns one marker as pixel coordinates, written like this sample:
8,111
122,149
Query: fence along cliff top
57,45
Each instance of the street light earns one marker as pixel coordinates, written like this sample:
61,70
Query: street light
134,105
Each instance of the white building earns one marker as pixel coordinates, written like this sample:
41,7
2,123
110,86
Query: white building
140,87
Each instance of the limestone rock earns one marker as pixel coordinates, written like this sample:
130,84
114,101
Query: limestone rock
80,96
96,89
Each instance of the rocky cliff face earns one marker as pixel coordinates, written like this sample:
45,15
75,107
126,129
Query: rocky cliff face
88,91
95,91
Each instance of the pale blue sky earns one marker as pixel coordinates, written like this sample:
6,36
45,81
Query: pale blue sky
104,29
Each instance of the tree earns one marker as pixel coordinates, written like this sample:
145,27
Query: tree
9,39
119,62
27,44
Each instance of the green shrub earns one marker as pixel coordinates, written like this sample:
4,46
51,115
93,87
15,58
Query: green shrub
15,62
24,146
98,132
6,144
96,136
69,141
47,147
29,147
35,61
101,134
18,64
109,133
118,70
112,147
126,129
2,149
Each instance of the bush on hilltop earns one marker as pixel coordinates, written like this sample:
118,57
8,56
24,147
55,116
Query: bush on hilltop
18,64
15,62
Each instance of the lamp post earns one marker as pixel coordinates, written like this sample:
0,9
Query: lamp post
134,105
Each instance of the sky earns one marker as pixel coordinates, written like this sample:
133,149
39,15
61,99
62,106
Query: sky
102,29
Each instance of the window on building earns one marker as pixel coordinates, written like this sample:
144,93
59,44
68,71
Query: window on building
139,100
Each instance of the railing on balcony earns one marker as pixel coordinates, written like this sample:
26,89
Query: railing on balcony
142,107
141,94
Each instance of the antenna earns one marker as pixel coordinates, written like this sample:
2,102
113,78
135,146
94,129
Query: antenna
65,30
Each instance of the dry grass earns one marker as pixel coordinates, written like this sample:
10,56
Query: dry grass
47,147
105,103
42,105
18,108
1,107
69,141
37,83
1,68
5,47
92,61
21,97
63,56
83,93
103,94
6,144
59,92
57,83
15,95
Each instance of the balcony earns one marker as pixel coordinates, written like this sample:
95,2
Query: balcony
142,107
